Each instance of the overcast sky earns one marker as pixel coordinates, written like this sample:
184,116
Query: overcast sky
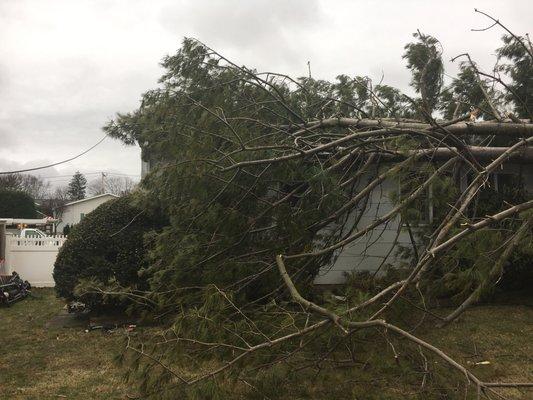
66,67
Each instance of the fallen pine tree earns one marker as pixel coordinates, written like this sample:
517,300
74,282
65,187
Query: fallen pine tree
266,180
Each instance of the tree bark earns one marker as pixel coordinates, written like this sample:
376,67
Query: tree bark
489,128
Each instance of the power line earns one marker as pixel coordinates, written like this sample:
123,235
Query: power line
54,164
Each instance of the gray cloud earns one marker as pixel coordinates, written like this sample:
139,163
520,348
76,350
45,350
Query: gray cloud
67,67
255,26
249,29
243,24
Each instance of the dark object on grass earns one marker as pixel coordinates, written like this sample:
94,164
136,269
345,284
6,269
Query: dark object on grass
13,288
77,307
106,328
109,328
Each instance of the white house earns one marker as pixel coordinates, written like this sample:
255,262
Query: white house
73,212
379,247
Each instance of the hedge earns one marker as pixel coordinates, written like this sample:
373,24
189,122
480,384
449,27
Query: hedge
107,248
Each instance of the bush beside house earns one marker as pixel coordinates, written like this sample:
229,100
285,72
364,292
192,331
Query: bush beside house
104,249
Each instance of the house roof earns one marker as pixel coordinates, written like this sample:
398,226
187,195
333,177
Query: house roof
90,198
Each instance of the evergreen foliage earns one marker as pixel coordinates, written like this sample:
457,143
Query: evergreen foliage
77,186
211,216
101,253
465,93
16,204
211,270
66,229
424,59
519,67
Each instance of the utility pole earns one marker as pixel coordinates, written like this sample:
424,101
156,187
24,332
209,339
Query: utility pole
103,182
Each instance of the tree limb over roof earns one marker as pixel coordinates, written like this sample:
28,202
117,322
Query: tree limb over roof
485,128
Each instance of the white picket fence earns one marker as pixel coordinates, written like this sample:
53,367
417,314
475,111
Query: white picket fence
33,258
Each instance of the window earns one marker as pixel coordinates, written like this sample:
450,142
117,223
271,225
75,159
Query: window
82,215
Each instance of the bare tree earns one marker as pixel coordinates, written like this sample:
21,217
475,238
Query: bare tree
34,186
117,185
53,203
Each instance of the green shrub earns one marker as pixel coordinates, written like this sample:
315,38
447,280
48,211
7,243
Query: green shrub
106,249
16,204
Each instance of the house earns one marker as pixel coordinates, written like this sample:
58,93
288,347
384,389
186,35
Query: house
380,247
72,213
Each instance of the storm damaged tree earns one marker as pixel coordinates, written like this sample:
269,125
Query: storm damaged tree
266,179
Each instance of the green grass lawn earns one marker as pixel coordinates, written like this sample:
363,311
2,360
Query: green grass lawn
53,363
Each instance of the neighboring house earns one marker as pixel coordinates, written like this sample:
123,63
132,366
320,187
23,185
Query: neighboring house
380,247
73,212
